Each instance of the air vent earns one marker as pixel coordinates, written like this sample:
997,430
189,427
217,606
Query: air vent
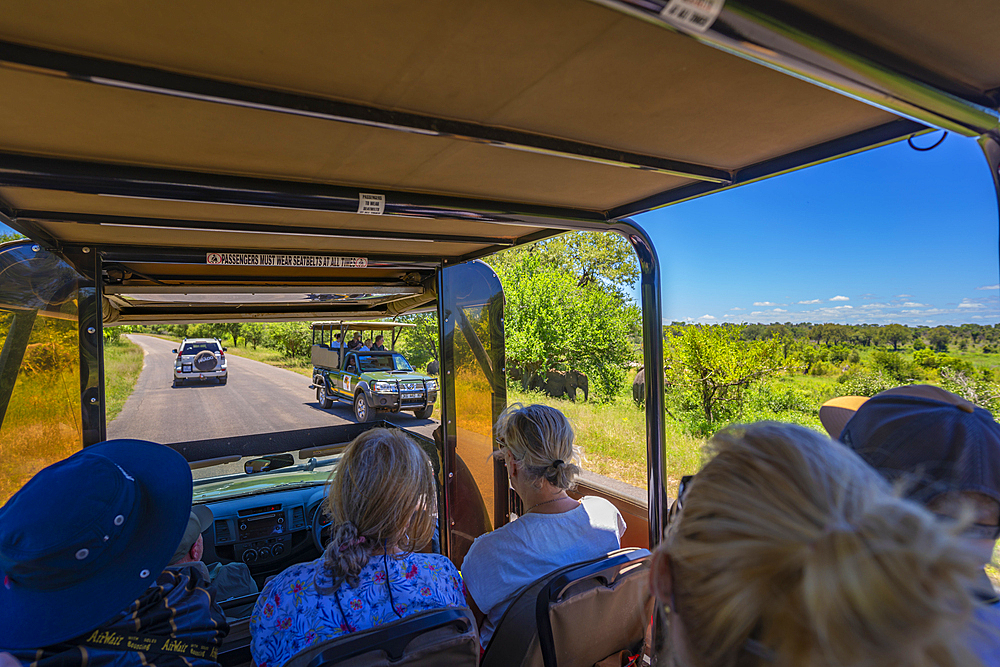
298,517
222,533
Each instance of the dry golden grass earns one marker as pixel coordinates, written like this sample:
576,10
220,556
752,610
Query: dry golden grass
42,423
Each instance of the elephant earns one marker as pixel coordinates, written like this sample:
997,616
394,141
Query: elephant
639,387
432,367
526,373
559,383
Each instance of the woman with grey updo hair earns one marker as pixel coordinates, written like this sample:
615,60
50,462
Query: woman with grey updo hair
536,444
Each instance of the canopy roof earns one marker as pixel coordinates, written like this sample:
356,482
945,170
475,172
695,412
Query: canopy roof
415,134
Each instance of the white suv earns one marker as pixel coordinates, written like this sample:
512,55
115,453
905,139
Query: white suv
200,359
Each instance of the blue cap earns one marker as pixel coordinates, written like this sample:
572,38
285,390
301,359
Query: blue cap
938,442
86,536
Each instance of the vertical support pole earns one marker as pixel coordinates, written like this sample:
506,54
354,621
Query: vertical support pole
91,334
449,455
14,347
990,143
501,484
652,348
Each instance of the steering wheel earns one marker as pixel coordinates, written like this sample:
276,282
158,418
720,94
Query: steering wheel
320,528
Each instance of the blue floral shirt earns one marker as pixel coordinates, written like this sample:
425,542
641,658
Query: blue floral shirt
292,614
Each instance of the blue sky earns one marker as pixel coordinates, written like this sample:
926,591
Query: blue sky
888,235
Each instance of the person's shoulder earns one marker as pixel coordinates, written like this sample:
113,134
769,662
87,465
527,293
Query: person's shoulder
597,504
432,562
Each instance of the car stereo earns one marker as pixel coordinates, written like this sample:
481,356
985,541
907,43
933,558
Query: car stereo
259,526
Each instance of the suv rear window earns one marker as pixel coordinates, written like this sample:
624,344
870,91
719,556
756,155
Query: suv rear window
195,348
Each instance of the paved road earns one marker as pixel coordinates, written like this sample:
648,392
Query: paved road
260,408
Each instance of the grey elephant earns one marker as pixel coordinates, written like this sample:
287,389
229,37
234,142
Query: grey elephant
560,383
432,368
639,387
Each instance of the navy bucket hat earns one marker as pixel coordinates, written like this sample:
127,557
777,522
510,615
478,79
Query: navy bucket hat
936,441
86,536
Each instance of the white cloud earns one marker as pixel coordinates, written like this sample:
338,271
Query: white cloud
966,303
810,301
904,296
707,317
914,304
989,287
737,309
875,305
780,310
757,312
841,298
840,307
764,303
979,317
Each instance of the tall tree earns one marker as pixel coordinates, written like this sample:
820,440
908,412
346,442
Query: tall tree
896,334
719,366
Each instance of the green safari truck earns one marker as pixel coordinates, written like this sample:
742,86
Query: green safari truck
375,381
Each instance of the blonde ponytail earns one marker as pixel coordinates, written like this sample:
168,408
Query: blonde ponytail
542,438
381,495
789,543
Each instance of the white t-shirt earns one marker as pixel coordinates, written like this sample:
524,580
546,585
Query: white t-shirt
501,563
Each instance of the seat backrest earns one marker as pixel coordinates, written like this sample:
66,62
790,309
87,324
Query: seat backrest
445,637
577,615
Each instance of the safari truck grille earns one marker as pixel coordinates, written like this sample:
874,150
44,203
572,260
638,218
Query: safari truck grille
411,393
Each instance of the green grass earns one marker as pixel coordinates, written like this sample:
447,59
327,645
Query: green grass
122,365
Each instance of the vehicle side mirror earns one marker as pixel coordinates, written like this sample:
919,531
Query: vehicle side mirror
224,349
174,350
268,463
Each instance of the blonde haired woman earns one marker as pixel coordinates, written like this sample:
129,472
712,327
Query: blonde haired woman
536,443
789,550
381,500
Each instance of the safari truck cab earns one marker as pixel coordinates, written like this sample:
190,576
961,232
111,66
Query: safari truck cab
374,381
200,162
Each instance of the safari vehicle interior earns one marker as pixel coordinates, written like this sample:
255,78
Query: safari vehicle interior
352,161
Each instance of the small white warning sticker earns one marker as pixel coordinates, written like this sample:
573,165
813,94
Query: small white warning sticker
369,204
697,15
304,261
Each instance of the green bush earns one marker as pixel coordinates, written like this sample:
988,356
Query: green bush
864,382
895,366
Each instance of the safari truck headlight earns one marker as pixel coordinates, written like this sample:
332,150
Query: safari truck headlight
432,385
385,387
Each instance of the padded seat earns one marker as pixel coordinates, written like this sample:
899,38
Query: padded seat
445,637
577,615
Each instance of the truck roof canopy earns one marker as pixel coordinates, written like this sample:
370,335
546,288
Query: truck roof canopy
216,146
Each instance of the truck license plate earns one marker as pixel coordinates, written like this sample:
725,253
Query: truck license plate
410,396
187,368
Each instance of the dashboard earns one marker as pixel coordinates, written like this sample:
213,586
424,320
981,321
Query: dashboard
268,531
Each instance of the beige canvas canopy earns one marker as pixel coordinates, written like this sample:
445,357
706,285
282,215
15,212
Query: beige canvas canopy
347,149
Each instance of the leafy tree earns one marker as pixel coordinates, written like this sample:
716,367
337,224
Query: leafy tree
718,366
292,338
553,321
420,343
596,259
939,337
253,333
896,334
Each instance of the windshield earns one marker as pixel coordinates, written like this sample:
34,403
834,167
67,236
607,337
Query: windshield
384,362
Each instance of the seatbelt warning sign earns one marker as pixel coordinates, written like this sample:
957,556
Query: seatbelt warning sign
369,204
696,15
300,261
